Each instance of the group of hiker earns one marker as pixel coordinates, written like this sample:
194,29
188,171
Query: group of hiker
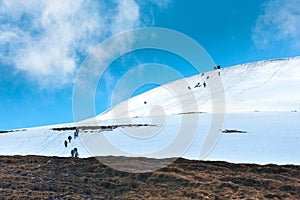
199,85
218,67
74,152
69,139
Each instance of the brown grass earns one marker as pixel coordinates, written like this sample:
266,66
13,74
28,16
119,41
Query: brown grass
36,177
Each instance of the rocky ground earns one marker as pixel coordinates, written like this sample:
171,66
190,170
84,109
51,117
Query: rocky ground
36,177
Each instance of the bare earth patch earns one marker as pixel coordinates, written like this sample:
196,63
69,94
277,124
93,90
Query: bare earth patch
37,177
10,131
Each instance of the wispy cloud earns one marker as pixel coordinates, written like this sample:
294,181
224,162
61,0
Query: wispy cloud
127,16
280,23
162,3
48,39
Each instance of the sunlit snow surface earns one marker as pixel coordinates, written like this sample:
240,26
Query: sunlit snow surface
260,98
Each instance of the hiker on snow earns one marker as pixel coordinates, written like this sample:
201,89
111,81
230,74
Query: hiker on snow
69,138
76,154
198,85
66,143
72,153
219,70
76,133
204,84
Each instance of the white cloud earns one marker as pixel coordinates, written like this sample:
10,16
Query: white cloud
162,3
280,23
47,39
127,16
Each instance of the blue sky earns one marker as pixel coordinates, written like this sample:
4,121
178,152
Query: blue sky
43,44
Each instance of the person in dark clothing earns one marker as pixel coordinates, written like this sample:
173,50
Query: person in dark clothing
76,154
219,72
69,138
204,84
66,143
72,153
198,85
76,133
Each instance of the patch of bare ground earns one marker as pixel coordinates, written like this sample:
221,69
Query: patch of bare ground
101,128
36,177
10,131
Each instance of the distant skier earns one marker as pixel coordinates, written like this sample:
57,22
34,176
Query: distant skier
76,154
189,87
66,143
204,84
70,138
207,77
72,153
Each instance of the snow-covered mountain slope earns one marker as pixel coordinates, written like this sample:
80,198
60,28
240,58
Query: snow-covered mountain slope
260,86
264,86
259,98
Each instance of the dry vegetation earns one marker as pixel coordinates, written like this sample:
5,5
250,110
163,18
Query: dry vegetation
35,177
100,128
